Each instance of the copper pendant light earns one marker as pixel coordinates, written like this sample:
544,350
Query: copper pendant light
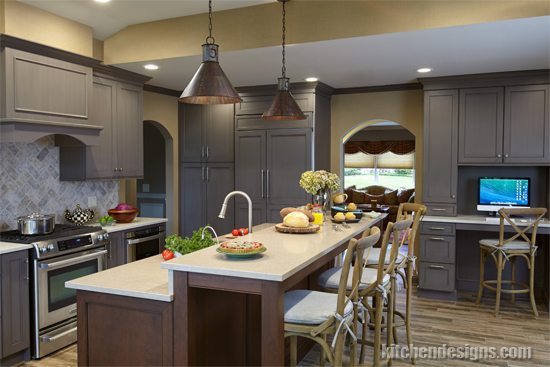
283,107
210,85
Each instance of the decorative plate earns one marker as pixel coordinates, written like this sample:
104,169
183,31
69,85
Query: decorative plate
241,255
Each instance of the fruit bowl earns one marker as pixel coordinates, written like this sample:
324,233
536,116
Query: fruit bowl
123,216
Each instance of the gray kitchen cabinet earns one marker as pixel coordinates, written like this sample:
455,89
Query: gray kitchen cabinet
203,188
206,133
504,125
437,257
268,165
527,124
118,107
440,149
480,126
42,89
116,254
15,303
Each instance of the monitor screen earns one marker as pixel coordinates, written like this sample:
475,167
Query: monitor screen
503,191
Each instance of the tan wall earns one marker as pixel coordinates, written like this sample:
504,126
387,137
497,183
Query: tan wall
2,16
97,49
352,112
164,110
307,21
33,24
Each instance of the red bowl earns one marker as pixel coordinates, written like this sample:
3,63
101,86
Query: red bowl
123,216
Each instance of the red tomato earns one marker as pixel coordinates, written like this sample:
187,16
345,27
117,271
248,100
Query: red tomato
167,254
235,232
245,231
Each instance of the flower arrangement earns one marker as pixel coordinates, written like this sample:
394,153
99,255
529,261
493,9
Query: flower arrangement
315,182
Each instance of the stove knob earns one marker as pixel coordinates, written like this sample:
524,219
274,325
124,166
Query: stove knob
51,247
43,249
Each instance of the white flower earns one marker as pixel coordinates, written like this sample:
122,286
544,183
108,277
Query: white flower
315,181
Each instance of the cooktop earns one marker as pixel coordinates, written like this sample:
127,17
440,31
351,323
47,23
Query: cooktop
61,230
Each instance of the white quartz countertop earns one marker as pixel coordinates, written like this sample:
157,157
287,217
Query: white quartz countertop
140,279
7,247
472,219
286,253
136,223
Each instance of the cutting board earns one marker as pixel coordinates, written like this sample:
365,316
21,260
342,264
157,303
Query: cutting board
312,228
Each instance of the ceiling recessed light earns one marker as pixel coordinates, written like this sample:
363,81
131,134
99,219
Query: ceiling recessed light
312,79
102,1
151,67
424,70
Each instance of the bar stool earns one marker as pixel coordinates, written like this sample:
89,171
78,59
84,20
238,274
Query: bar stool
508,249
376,284
314,315
405,265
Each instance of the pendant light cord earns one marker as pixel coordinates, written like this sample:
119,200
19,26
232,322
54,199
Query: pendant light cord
210,40
283,69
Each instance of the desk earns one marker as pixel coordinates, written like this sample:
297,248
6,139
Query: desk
449,255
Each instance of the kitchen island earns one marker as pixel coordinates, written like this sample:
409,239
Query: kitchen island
179,311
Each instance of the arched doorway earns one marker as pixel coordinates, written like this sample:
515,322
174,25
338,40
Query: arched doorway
155,191
377,157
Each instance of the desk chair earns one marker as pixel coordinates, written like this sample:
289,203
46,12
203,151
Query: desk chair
314,315
508,249
404,264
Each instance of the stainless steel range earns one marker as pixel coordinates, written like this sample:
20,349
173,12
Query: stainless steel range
68,253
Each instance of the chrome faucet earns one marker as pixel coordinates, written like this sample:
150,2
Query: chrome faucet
213,231
229,196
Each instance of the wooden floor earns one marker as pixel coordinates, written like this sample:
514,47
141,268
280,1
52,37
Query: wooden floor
441,322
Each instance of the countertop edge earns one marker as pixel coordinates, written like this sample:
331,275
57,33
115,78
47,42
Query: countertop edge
136,223
121,292
9,247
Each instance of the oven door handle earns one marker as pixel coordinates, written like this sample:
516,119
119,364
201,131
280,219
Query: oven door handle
50,339
145,239
76,260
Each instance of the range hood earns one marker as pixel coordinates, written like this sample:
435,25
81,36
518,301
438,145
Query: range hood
28,131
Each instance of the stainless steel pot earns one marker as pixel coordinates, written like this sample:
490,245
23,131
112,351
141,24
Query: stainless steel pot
36,224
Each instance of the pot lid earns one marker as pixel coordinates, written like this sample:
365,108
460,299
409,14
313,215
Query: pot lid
36,216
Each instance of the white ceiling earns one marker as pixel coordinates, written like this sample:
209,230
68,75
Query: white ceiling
521,44
109,18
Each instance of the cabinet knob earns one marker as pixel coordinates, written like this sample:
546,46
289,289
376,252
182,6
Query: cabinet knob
116,169
453,196
499,155
506,155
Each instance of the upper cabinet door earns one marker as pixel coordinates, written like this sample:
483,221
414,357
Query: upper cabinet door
250,170
527,125
129,130
220,127
192,197
288,156
480,125
192,148
440,146
220,181
101,159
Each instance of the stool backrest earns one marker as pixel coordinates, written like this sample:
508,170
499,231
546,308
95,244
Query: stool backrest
397,228
356,249
522,228
416,212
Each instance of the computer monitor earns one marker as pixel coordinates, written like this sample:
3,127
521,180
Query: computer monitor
495,193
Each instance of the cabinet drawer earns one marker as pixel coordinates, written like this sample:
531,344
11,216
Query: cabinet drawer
437,228
254,105
437,276
442,210
437,248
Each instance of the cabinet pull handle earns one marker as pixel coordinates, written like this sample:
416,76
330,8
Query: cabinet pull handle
207,151
121,169
437,228
202,151
267,184
436,267
262,179
439,209
437,238
202,173
110,252
207,174
27,277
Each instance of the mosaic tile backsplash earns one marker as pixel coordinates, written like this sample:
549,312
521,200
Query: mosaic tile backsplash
29,182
